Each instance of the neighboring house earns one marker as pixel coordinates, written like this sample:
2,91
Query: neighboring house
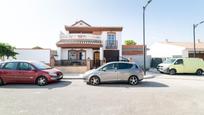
135,53
162,50
83,42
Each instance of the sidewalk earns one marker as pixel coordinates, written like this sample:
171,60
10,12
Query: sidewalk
73,76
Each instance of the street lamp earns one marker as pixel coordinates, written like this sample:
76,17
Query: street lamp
194,37
144,45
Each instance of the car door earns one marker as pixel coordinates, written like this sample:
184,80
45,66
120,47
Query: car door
9,71
108,72
124,71
179,66
26,73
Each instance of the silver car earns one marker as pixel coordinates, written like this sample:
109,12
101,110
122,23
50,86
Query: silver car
115,71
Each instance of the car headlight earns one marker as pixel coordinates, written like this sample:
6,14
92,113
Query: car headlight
53,74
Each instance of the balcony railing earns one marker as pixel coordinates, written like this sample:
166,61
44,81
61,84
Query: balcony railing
70,62
111,44
79,41
80,36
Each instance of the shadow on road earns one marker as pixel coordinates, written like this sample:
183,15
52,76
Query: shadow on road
54,85
141,84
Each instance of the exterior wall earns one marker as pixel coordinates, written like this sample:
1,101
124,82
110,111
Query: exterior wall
59,55
139,59
89,54
119,38
160,50
185,53
64,54
42,55
103,39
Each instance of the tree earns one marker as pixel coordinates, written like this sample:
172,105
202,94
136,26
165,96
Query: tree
7,51
130,42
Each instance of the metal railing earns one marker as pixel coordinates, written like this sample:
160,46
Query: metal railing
93,63
79,36
80,41
70,63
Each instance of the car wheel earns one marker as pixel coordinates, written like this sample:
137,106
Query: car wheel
94,80
199,72
133,80
41,81
172,72
1,82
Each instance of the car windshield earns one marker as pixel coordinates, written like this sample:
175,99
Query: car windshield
169,61
41,65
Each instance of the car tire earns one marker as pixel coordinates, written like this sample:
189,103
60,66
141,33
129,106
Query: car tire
41,81
95,80
172,72
133,80
199,72
1,82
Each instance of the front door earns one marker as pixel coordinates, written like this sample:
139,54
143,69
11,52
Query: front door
26,73
96,59
124,71
111,55
109,72
179,66
9,72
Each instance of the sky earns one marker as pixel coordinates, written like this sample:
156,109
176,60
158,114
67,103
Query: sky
30,23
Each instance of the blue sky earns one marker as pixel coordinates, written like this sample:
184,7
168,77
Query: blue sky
29,23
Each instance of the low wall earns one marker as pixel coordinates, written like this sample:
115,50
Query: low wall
72,69
139,59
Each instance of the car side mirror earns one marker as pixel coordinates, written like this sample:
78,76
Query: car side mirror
104,69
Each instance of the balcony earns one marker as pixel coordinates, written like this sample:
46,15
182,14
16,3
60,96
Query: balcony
111,44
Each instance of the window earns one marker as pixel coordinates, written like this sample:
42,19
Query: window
124,66
136,66
1,65
111,40
41,66
72,55
11,66
109,67
82,55
25,66
179,61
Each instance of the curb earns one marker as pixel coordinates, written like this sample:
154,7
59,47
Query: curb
74,78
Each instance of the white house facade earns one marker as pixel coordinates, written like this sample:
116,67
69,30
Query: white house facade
176,49
82,42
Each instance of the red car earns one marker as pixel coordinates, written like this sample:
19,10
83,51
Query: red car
28,72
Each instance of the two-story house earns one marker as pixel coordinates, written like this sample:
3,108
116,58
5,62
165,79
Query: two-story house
83,42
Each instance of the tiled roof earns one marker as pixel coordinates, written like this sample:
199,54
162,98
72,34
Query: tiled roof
132,49
79,43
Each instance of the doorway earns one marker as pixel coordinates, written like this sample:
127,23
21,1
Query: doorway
96,61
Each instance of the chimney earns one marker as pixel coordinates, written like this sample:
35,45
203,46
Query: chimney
166,40
199,41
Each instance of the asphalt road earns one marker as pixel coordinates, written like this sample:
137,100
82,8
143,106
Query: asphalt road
158,95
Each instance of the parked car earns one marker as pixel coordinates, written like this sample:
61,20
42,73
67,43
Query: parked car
115,71
182,65
28,72
1,63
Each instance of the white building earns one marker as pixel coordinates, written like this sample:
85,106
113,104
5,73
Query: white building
83,41
176,49
42,55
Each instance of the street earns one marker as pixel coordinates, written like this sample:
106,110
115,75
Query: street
159,95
